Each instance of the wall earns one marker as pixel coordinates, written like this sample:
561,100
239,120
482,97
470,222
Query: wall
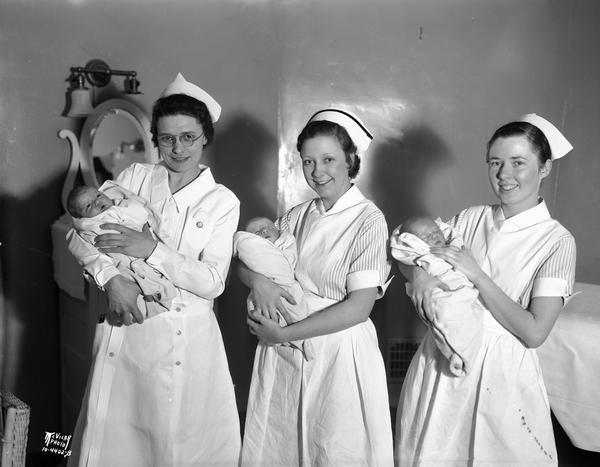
432,78
577,195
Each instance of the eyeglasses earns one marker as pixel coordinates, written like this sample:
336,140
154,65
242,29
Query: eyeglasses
186,139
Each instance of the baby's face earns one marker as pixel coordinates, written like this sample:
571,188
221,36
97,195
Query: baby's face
428,231
263,227
92,202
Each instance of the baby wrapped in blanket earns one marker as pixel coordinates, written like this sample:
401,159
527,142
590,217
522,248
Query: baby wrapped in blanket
91,207
270,252
456,317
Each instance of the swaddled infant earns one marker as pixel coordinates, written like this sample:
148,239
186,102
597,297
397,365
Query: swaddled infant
111,203
426,229
266,228
264,249
456,319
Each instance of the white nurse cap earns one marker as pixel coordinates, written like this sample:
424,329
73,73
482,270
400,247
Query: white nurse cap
558,143
181,86
351,123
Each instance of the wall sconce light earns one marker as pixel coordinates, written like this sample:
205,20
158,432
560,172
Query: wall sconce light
98,74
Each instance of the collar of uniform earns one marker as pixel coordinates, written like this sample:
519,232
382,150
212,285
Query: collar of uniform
352,197
188,194
524,219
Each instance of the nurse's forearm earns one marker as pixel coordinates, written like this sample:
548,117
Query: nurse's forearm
246,275
411,273
204,278
203,275
531,325
343,315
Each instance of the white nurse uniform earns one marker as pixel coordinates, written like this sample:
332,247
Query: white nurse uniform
332,410
499,412
160,393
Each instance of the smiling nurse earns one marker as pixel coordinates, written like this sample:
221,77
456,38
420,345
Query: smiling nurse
523,264
332,410
160,392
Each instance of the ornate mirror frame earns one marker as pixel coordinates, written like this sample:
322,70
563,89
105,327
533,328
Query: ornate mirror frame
81,148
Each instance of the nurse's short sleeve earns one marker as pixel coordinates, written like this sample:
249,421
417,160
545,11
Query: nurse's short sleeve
556,275
368,265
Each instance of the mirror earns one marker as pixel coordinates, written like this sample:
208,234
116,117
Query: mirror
113,137
116,144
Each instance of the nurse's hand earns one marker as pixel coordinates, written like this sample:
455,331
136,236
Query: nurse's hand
421,292
122,296
127,241
266,329
266,296
461,259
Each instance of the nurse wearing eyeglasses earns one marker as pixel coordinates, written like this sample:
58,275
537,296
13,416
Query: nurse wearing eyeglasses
523,264
160,392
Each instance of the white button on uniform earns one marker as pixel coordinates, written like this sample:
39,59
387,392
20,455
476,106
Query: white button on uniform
199,224
179,332
111,354
177,363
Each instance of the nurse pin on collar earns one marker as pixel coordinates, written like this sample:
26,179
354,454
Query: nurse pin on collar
181,86
558,143
352,124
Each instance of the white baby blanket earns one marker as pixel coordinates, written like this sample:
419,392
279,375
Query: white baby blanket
131,211
275,261
456,317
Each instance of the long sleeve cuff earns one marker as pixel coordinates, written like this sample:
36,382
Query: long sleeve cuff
105,275
159,256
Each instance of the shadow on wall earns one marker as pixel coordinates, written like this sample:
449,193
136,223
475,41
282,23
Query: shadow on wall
401,169
31,347
244,159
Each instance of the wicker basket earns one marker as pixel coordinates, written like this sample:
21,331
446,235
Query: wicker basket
15,414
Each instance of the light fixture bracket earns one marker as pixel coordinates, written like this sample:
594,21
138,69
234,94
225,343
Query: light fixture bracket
97,72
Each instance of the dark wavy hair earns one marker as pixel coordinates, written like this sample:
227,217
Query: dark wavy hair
327,128
181,104
534,135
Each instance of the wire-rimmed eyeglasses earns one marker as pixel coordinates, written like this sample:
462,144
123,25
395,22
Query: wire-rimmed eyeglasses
186,139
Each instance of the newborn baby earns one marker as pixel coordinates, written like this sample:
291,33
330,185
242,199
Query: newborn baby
87,201
456,317
264,249
91,207
263,227
426,229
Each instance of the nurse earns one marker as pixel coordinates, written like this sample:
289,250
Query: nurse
160,392
333,409
523,264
